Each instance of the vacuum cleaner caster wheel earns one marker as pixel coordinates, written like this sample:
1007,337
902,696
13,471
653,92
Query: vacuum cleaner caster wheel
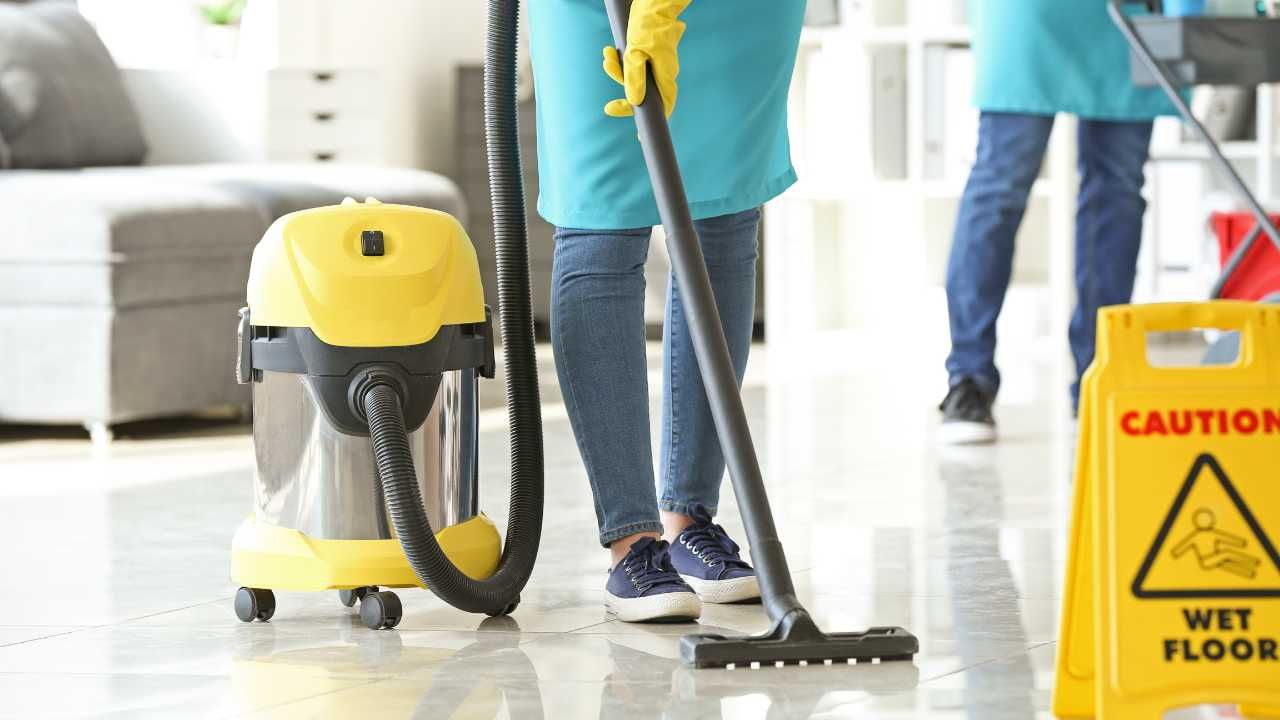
255,604
350,597
510,608
380,610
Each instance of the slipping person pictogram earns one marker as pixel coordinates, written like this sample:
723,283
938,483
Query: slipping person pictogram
1217,549
1210,544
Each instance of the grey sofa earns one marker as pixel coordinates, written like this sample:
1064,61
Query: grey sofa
119,286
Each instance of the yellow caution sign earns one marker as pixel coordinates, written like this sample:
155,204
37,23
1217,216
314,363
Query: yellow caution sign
1172,594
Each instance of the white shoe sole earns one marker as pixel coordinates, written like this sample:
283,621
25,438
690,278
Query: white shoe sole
667,606
966,433
724,591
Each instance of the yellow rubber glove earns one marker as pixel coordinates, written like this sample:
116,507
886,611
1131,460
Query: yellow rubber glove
653,33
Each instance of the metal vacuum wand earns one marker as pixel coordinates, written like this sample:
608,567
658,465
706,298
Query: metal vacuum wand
794,636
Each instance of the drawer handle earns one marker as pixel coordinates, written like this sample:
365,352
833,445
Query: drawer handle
324,156
323,117
322,77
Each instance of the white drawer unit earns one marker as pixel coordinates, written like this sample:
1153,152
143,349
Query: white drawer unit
319,132
322,115
321,88
350,156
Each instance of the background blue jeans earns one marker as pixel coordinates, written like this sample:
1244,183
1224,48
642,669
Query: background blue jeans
1011,149
598,336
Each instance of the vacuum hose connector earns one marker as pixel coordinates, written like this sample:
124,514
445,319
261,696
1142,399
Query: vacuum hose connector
382,403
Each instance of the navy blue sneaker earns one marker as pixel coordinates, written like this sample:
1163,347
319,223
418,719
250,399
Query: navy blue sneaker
708,560
645,587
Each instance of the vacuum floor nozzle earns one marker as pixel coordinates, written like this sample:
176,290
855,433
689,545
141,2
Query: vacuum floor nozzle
796,639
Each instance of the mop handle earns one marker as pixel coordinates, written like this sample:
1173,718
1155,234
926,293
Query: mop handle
709,343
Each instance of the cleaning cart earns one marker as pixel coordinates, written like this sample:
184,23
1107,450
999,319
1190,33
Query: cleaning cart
1177,52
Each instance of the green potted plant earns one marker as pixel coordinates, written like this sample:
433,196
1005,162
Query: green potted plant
222,26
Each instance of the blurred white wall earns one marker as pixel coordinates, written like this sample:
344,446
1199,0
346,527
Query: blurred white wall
148,33
447,33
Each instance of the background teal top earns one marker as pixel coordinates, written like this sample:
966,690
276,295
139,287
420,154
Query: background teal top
729,126
1043,57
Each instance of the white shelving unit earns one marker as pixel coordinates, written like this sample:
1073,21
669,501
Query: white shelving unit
869,225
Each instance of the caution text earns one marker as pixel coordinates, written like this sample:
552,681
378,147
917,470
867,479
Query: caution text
1201,421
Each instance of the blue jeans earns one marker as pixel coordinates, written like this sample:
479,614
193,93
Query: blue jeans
1011,148
598,336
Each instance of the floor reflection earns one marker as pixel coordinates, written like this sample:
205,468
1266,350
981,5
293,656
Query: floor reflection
454,676
985,608
490,675
453,684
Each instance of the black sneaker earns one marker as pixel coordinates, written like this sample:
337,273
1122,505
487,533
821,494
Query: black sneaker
966,415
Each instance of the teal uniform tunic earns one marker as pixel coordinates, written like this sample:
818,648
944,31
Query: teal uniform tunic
1042,57
729,126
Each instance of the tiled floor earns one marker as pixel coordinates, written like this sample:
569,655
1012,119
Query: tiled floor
118,603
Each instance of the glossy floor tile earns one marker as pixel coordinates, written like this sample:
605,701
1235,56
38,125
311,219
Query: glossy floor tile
121,556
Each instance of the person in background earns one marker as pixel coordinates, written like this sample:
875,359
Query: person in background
1033,59
730,133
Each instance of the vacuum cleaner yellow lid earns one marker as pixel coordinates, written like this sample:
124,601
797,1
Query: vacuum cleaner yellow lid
366,274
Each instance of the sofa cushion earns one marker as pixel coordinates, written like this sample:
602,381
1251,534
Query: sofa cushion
62,102
127,237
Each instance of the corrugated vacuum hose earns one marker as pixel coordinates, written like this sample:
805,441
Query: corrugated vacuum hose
499,593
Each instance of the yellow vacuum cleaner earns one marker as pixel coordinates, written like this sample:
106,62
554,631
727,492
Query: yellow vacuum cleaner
364,338
365,334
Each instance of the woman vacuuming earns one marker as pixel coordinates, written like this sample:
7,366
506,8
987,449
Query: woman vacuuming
730,130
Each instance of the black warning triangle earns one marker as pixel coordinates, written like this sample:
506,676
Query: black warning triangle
1202,462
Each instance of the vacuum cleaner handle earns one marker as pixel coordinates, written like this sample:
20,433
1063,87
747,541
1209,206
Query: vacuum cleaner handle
708,338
